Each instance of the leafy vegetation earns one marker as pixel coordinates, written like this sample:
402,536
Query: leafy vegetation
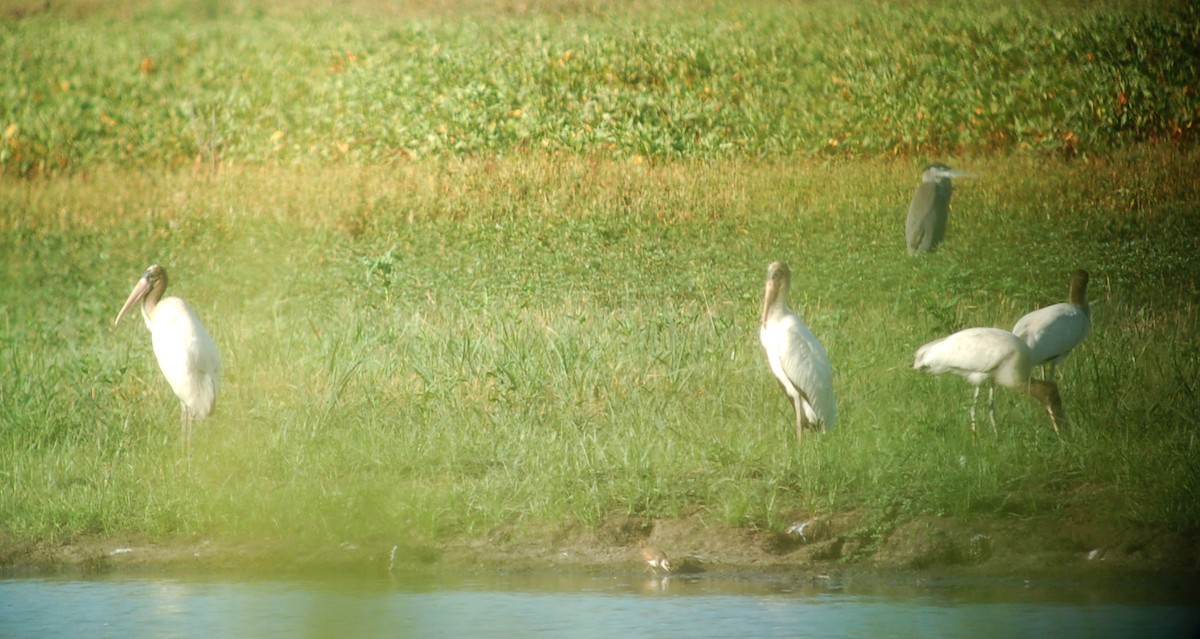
720,80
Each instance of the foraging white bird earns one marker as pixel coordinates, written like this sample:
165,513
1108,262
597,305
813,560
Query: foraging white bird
656,560
797,359
990,356
186,354
1052,332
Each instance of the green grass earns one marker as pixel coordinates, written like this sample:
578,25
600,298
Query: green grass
541,319
461,346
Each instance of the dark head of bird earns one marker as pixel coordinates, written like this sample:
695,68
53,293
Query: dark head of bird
1079,284
149,289
779,276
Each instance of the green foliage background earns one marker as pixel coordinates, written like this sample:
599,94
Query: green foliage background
282,83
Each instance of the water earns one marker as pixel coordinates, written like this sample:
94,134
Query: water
183,604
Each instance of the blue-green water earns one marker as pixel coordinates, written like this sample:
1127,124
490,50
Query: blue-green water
154,604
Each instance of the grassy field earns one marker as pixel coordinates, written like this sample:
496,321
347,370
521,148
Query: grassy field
508,329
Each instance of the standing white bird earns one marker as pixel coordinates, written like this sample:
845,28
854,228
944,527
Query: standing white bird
1052,332
186,354
797,359
990,356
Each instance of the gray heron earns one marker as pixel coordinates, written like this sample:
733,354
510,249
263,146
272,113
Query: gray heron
930,207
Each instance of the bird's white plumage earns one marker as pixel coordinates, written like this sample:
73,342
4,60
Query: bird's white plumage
989,356
980,355
186,355
1054,331
802,367
797,358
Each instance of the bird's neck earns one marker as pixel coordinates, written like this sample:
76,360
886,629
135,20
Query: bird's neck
773,303
148,312
1079,298
150,303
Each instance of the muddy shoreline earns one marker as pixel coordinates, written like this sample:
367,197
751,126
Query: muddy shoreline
833,545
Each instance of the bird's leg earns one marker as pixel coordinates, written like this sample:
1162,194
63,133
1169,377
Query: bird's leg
992,407
801,422
974,400
186,417
1051,364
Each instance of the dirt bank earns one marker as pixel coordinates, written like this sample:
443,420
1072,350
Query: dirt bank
815,545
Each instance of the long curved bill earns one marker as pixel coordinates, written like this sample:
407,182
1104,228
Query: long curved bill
773,287
139,291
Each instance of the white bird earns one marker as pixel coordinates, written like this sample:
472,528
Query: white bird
990,356
797,359
186,354
1052,332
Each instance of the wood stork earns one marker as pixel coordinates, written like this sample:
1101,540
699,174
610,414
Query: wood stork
930,208
656,560
1052,332
797,359
990,356
186,354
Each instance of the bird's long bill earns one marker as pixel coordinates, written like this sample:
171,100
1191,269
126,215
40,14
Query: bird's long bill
139,291
772,291
955,174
